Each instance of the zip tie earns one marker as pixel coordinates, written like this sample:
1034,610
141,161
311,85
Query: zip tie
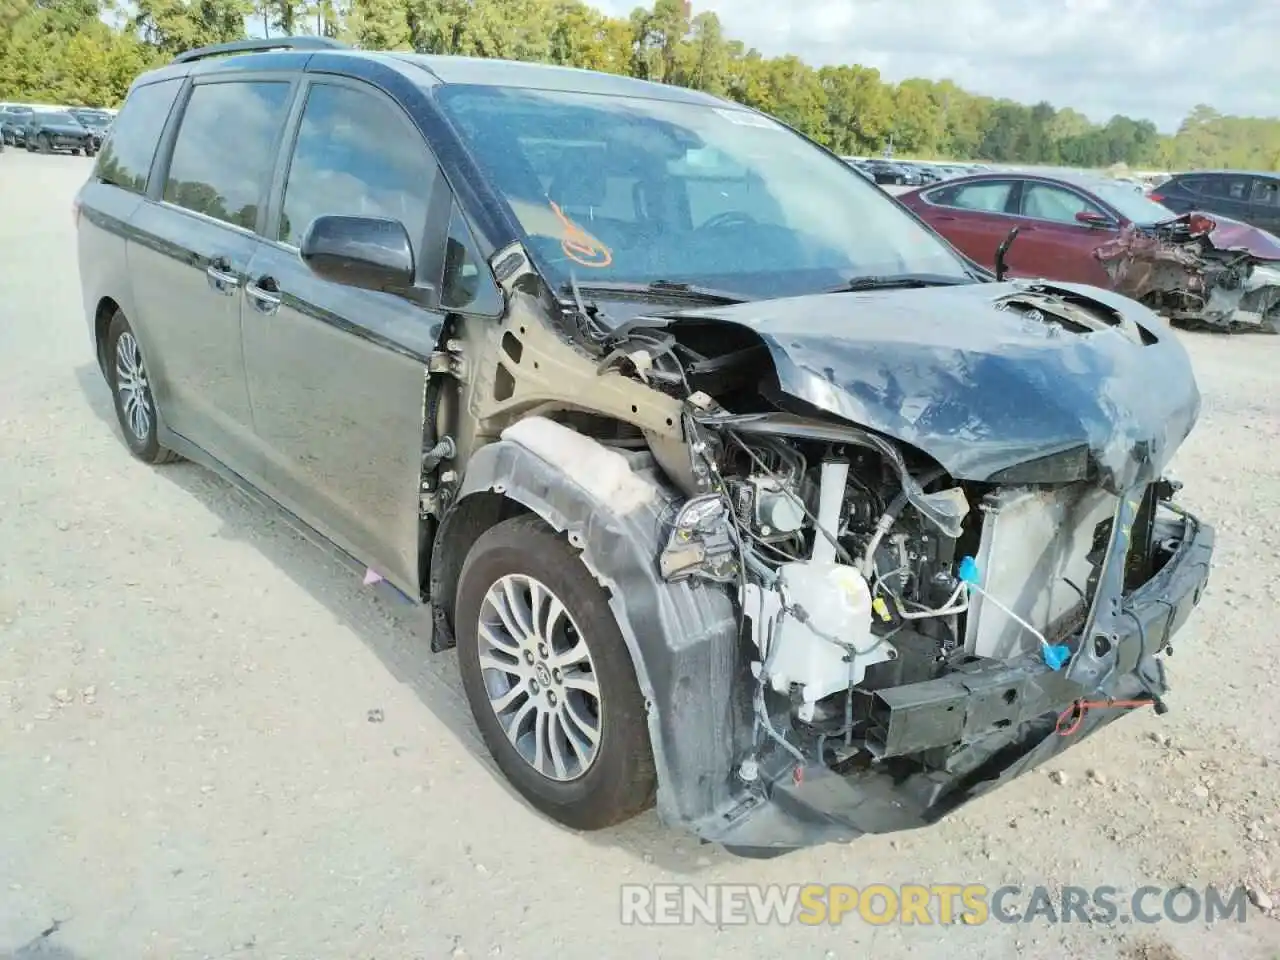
1070,719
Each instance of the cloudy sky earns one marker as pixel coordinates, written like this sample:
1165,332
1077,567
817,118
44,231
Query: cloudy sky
1145,58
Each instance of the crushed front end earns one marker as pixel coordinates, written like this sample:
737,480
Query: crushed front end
926,650
1199,271
918,626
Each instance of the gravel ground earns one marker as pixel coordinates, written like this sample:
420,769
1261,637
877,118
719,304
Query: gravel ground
189,766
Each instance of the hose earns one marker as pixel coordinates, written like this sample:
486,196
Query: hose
889,517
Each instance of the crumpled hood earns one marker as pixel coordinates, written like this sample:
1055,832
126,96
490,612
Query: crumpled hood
988,376
1236,236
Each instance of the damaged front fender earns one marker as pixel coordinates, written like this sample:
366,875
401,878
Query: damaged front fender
683,637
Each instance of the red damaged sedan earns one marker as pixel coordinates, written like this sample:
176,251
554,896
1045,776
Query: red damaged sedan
1196,268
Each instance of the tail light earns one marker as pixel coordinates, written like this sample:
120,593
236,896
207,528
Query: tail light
1157,197
1199,225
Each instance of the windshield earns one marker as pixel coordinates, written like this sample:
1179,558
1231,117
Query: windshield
53,116
629,190
92,118
1131,204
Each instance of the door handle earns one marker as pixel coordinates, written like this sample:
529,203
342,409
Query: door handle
264,294
220,276
945,219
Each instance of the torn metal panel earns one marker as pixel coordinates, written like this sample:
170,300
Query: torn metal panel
1199,270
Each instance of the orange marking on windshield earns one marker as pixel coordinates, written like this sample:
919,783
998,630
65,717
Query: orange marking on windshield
580,246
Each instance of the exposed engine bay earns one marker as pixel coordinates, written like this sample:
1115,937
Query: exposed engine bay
860,564
1193,271
858,571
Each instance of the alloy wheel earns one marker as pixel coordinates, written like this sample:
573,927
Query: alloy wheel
132,387
539,677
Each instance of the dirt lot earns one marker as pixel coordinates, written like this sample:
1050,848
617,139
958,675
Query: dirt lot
188,766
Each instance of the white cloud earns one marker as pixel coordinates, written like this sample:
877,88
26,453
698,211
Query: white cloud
1152,59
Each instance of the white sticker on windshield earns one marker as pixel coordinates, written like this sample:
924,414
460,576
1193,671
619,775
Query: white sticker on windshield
744,118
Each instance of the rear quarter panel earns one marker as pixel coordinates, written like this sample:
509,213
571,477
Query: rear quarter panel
101,238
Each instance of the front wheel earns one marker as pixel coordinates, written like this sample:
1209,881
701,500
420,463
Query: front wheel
46,145
549,678
131,390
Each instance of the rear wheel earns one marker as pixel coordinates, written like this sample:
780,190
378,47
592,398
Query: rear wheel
131,391
549,678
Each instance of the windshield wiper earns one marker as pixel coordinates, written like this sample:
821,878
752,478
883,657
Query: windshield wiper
901,280
668,289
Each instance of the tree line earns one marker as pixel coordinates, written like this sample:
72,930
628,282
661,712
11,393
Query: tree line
63,51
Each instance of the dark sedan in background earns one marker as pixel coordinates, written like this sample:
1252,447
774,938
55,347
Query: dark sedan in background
886,171
1252,198
1193,266
13,125
49,131
98,122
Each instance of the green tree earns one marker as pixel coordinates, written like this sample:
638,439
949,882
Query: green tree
379,25
172,26
63,51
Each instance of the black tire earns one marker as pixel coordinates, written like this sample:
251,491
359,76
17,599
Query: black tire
75,151
620,781
46,145
146,447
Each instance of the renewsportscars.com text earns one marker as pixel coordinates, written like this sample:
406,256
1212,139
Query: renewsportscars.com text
939,903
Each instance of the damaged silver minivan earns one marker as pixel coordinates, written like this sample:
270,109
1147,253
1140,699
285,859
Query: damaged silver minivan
738,490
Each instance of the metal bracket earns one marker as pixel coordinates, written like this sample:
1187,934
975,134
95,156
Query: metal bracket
449,361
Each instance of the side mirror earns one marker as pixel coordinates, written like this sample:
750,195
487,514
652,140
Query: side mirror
1091,218
1002,251
373,253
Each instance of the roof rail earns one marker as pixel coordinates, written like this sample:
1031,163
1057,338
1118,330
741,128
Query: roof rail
260,45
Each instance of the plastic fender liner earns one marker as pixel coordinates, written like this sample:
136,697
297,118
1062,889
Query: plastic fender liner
683,637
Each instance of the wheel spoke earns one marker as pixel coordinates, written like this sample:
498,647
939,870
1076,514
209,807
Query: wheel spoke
575,655
517,720
511,669
579,724
499,640
556,742
585,682
546,609
540,741
507,700
508,606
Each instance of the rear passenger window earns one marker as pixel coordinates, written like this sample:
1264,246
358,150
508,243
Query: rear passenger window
126,157
989,196
1046,202
1266,193
225,149
356,155
1225,187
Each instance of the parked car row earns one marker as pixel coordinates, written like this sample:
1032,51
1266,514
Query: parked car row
78,130
909,173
